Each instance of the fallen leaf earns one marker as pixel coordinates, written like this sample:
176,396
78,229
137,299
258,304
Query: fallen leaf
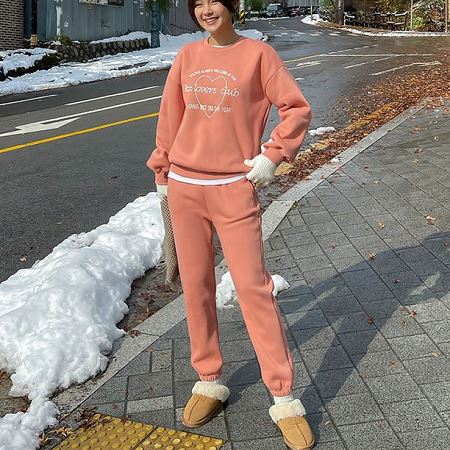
333,245
376,182
370,320
412,314
434,354
430,219
23,258
418,150
372,256
395,281
134,333
381,225
393,363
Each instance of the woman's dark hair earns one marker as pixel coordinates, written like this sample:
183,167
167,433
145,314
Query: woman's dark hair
231,5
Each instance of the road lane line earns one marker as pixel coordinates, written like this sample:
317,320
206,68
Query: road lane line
434,63
92,111
109,96
367,62
28,100
76,133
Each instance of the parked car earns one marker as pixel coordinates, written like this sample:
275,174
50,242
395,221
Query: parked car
274,10
294,11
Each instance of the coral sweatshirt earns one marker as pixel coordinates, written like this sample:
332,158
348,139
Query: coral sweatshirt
214,108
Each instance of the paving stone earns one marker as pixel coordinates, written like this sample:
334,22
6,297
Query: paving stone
410,347
178,331
237,350
407,295
431,368
299,240
360,277
351,322
242,372
325,228
350,264
150,385
277,242
306,251
397,280
371,292
181,348
261,444
316,218
323,428
110,409
163,418
383,266
440,282
232,331
388,307
280,263
427,267
345,220
149,404
332,240
113,391
367,341
340,252
418,253
339,305
215,427
309,397
139,365
326,359
230,314
339,382
307,319
313,263
315,338
398,326
352,409
318,277
301,376
436,439
161,360
297,289
331,288
257,423
357,230
396,387
160,344
379,364
293,306
438,394
182,392
370,436
248,397
411,415
439,331
275,253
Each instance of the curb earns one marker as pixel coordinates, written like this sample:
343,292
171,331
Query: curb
170,315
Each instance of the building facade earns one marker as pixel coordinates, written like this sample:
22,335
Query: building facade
11,24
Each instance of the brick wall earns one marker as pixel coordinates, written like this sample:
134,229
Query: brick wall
11,24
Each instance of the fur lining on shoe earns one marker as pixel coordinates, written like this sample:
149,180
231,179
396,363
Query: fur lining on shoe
285,410
218,391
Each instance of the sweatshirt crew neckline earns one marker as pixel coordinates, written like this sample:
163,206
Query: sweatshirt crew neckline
223,48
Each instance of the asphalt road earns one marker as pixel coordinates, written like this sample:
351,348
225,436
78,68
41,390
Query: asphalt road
73,177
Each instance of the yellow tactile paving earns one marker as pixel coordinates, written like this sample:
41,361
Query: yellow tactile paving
111,433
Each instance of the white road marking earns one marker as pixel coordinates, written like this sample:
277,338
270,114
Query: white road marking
37,126
310,63
299,79
76,115
111,95
367,62
434,63
28,99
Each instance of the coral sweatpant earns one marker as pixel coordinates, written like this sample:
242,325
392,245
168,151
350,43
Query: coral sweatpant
233,209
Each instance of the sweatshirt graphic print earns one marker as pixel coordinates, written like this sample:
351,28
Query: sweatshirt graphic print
215,106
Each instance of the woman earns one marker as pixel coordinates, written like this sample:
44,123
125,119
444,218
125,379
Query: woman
208,161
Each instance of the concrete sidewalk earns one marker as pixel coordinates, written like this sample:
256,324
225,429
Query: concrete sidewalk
367,314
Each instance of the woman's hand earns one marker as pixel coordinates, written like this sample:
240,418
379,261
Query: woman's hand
162,190
263,170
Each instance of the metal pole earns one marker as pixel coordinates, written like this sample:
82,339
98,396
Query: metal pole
241,13
446,15
411,16
34,35
154,31
311,5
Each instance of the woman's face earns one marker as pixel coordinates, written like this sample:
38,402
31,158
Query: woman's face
212,15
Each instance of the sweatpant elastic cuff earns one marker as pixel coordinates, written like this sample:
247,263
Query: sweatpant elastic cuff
210,377
282,393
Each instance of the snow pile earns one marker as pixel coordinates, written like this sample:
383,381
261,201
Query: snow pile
315,19
58,318
395,33
126,37
106,67
320,131
22,59
225,291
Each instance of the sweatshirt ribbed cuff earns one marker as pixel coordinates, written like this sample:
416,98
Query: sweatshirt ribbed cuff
274,155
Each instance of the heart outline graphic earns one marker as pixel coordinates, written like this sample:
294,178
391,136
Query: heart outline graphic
212,81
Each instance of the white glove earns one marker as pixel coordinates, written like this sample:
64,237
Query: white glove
263,171
162,190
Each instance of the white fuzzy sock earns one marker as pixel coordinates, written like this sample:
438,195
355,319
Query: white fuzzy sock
287,398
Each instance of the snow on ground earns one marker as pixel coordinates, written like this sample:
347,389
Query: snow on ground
226,293
58,318
317,19
320,131
23,58
111,66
